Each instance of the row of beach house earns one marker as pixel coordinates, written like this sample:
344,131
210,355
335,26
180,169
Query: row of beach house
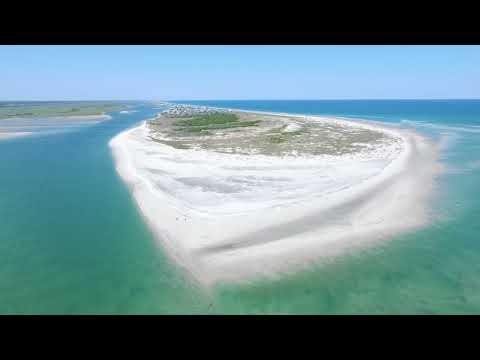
179,110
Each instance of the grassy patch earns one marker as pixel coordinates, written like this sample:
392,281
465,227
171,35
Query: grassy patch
202,124
207,120
277,139
179,146
194,131
238,124
284,136
294,133
58,109
278,130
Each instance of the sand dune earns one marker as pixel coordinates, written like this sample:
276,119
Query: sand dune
233,217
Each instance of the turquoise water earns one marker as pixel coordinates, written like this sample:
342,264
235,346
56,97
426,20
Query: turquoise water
73,242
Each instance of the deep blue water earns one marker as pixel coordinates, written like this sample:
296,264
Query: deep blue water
450,111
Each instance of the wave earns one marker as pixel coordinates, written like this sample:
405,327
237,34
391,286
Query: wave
443,127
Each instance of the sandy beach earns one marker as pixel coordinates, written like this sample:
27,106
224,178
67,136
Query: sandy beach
235,217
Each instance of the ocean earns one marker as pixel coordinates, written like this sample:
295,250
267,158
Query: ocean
73,242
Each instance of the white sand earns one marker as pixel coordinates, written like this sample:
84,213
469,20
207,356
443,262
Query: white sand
14,134
226,217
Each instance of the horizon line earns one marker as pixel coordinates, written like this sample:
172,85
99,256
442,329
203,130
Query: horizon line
165,100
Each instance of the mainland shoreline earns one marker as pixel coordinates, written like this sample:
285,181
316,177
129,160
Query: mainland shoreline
17,127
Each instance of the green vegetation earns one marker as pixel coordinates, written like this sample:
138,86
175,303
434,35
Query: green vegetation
58,109
197,131
265,134
179,146
284,136
277,139
206,120
202,124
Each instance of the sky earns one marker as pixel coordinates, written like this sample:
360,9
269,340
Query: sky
238,72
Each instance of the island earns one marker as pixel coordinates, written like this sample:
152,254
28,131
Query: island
19,119
235,195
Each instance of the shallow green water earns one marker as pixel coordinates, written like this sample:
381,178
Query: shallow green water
71,239
73,242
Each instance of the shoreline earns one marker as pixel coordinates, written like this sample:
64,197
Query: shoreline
99,117
17,127
217,243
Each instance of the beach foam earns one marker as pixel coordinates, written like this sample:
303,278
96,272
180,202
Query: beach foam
232,217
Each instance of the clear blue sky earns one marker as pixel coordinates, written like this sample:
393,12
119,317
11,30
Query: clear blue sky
238,72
